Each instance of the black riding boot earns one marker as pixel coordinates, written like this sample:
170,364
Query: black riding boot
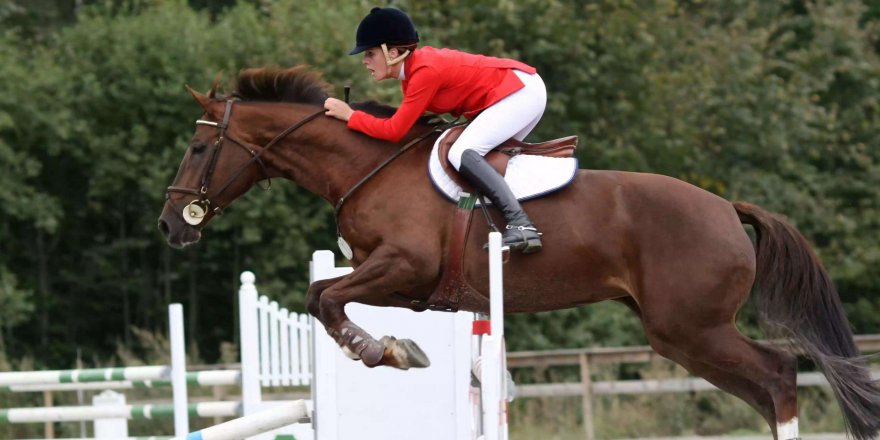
520,234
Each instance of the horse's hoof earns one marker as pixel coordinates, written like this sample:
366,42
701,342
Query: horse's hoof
403,354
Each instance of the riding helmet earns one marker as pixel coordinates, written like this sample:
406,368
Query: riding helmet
384,25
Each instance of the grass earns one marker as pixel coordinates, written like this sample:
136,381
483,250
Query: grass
662,415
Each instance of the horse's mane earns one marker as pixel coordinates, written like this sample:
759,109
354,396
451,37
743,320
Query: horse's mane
300,84
277,84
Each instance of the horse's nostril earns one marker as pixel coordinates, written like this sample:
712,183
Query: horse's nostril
163,227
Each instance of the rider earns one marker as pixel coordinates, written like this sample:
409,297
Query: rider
503,98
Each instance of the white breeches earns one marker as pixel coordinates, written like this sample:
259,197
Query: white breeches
513,117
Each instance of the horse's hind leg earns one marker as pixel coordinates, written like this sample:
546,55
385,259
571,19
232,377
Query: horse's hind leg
745,389
763,376
385,271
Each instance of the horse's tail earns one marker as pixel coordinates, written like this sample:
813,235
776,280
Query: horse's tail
797,300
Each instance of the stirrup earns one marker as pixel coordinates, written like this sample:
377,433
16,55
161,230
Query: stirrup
525,228
525,244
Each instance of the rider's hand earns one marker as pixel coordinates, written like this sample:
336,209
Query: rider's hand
337,109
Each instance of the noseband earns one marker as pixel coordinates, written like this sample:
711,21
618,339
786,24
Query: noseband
194,212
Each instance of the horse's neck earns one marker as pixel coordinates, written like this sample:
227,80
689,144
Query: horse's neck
323,156
327,159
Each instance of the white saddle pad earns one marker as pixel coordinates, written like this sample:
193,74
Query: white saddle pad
529,177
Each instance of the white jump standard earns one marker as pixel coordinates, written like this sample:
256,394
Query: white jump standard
493,363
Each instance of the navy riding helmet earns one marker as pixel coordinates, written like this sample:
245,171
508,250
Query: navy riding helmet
384,25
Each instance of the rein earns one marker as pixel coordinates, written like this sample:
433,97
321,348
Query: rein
194,212
342,244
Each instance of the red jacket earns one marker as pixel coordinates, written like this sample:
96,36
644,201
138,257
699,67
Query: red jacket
444,81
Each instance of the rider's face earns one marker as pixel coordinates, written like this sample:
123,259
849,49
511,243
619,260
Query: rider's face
374,61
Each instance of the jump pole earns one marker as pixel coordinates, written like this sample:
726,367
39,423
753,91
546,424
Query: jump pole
127,412
178,369
278,417
493,362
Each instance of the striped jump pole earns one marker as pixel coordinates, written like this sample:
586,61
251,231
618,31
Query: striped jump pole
195,378
128,412
110,378
480,327
280,416
132,374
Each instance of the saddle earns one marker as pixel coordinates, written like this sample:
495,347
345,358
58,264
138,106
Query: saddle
498,157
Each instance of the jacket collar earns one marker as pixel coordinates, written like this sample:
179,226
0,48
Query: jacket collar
406,71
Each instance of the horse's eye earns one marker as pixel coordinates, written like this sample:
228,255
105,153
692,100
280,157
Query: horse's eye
198,147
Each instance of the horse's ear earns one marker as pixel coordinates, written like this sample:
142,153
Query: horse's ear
215,85
203,100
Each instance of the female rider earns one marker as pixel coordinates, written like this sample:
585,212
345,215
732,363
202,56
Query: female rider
503,98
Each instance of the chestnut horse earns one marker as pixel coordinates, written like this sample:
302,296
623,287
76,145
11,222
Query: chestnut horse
676,255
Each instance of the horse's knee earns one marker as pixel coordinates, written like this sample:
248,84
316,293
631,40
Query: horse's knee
313,304
330,306
313,296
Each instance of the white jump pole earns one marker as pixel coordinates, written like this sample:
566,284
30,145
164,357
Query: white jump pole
178,370
247,426
493,363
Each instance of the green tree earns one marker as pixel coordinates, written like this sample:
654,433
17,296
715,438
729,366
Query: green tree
762,101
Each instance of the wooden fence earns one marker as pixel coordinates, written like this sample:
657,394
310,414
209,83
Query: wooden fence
585,358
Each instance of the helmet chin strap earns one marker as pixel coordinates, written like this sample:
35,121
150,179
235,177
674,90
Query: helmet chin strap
392,61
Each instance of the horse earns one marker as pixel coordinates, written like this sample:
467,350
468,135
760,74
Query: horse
678,256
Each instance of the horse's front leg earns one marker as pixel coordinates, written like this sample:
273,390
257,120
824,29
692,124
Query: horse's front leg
384,272
313,296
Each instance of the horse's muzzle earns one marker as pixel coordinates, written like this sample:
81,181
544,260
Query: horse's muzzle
177,233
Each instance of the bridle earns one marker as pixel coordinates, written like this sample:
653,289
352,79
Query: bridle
194,212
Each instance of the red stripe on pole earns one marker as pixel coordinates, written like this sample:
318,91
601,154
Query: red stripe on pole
482,327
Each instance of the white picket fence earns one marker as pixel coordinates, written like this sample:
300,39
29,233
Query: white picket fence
276,352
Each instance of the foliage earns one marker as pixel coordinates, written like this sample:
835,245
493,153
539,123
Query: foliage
772,102
99,118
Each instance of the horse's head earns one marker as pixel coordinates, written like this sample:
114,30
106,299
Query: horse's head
230,150
219,166
232,147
